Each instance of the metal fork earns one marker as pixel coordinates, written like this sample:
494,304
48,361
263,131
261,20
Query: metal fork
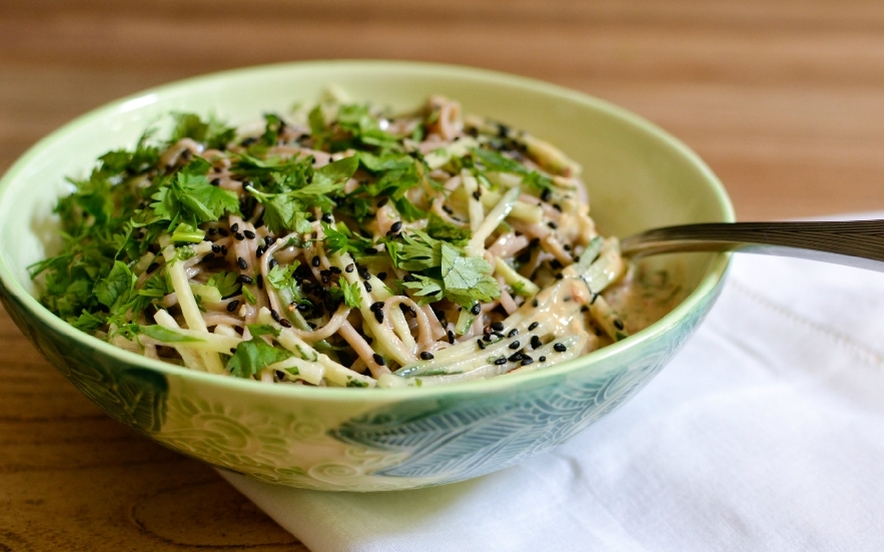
858,243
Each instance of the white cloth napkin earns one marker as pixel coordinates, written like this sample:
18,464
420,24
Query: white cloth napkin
765,433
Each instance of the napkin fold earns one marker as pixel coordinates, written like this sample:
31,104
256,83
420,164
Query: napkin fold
766,432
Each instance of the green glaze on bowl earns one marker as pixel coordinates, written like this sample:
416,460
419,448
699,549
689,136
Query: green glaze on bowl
379,439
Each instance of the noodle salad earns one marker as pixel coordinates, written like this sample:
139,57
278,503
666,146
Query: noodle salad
339,246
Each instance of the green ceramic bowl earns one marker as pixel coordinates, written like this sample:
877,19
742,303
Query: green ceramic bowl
357,439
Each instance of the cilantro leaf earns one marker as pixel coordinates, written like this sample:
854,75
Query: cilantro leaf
117,287
339,238
352,293
227,282
213,133
262,329
495,162
363,126
287,211
467,279
418,252
253,356
445,270
441,229
283,279
189,197
165,334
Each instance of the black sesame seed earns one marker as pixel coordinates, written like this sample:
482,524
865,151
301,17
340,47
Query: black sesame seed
535,342
379,360
497,326
382,275
533,326
425,355
213,231
334,269
481,344
545,194
223,232
241,263
450,337
238,236
280,374
216,248
315,261
515,344
224,250
232,306
500,361
618,324
541,358
259,251
367,286
234,227
268,241
274,315
487,338
476,309
552,225
215,182
259,281
272,263
285,323
555,264
249,234
327,218
526,360
376,306
396,227
476,195
515,357
534,303
379,316
513,333
560,347
244,279
349,268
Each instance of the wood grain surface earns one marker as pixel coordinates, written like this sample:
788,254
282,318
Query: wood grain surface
783,98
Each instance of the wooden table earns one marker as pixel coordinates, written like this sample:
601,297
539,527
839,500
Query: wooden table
782,98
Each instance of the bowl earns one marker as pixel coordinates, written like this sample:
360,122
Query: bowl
380,439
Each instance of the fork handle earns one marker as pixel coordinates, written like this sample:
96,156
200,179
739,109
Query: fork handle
858,243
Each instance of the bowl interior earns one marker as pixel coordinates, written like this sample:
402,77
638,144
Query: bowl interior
638,176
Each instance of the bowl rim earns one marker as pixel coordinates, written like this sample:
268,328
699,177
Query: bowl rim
707,286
